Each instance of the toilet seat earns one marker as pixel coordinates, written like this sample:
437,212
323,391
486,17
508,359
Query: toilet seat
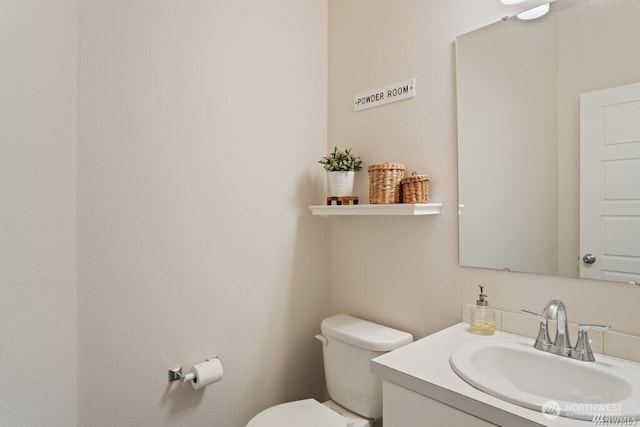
307,412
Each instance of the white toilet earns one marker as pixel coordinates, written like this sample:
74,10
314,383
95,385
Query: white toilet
356,394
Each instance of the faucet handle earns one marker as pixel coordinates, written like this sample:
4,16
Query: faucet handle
543,341
582,349
587,327
533,314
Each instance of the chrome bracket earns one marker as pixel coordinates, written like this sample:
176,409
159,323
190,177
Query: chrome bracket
176,374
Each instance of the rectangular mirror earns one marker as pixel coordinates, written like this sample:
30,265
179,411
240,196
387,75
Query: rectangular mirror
520,85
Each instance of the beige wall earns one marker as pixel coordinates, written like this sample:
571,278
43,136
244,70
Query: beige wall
201,123
199,129
38,213
404,271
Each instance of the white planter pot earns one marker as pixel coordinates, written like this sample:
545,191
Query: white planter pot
341,183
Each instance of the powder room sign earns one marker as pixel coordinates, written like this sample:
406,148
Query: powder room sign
384,95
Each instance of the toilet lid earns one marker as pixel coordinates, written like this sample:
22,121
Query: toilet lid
307,413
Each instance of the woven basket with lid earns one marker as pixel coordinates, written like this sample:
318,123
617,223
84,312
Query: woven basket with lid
415,188
384,182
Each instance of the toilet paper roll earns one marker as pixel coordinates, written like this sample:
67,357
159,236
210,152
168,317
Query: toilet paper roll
206,373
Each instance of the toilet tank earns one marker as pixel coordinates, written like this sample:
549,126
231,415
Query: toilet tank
351,343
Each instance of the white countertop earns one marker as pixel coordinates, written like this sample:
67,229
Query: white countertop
423,367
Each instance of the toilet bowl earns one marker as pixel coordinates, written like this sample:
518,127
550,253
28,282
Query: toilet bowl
308,413
348,345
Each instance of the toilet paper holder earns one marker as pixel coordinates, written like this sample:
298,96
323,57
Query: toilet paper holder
175,373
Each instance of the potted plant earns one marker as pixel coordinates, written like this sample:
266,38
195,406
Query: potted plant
341,166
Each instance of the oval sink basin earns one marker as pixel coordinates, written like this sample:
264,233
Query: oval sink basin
514,371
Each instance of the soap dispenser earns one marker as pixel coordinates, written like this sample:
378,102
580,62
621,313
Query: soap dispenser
483,320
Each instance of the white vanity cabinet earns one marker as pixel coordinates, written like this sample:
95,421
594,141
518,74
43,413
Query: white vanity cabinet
406,408
420,389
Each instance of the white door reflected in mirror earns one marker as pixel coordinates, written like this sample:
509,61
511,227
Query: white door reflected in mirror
610,183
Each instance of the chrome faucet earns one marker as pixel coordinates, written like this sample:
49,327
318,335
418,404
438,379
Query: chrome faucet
556,310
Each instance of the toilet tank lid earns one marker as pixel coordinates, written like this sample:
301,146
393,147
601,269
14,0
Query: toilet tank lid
364,334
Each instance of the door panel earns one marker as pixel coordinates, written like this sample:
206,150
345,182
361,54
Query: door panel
610,183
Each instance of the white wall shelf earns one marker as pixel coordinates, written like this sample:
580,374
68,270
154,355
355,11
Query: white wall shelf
391,209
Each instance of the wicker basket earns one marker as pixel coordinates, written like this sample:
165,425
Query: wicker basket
415,189
384,182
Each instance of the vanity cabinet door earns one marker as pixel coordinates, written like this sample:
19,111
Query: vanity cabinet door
405,408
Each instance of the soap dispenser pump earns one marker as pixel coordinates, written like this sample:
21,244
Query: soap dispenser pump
483,320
